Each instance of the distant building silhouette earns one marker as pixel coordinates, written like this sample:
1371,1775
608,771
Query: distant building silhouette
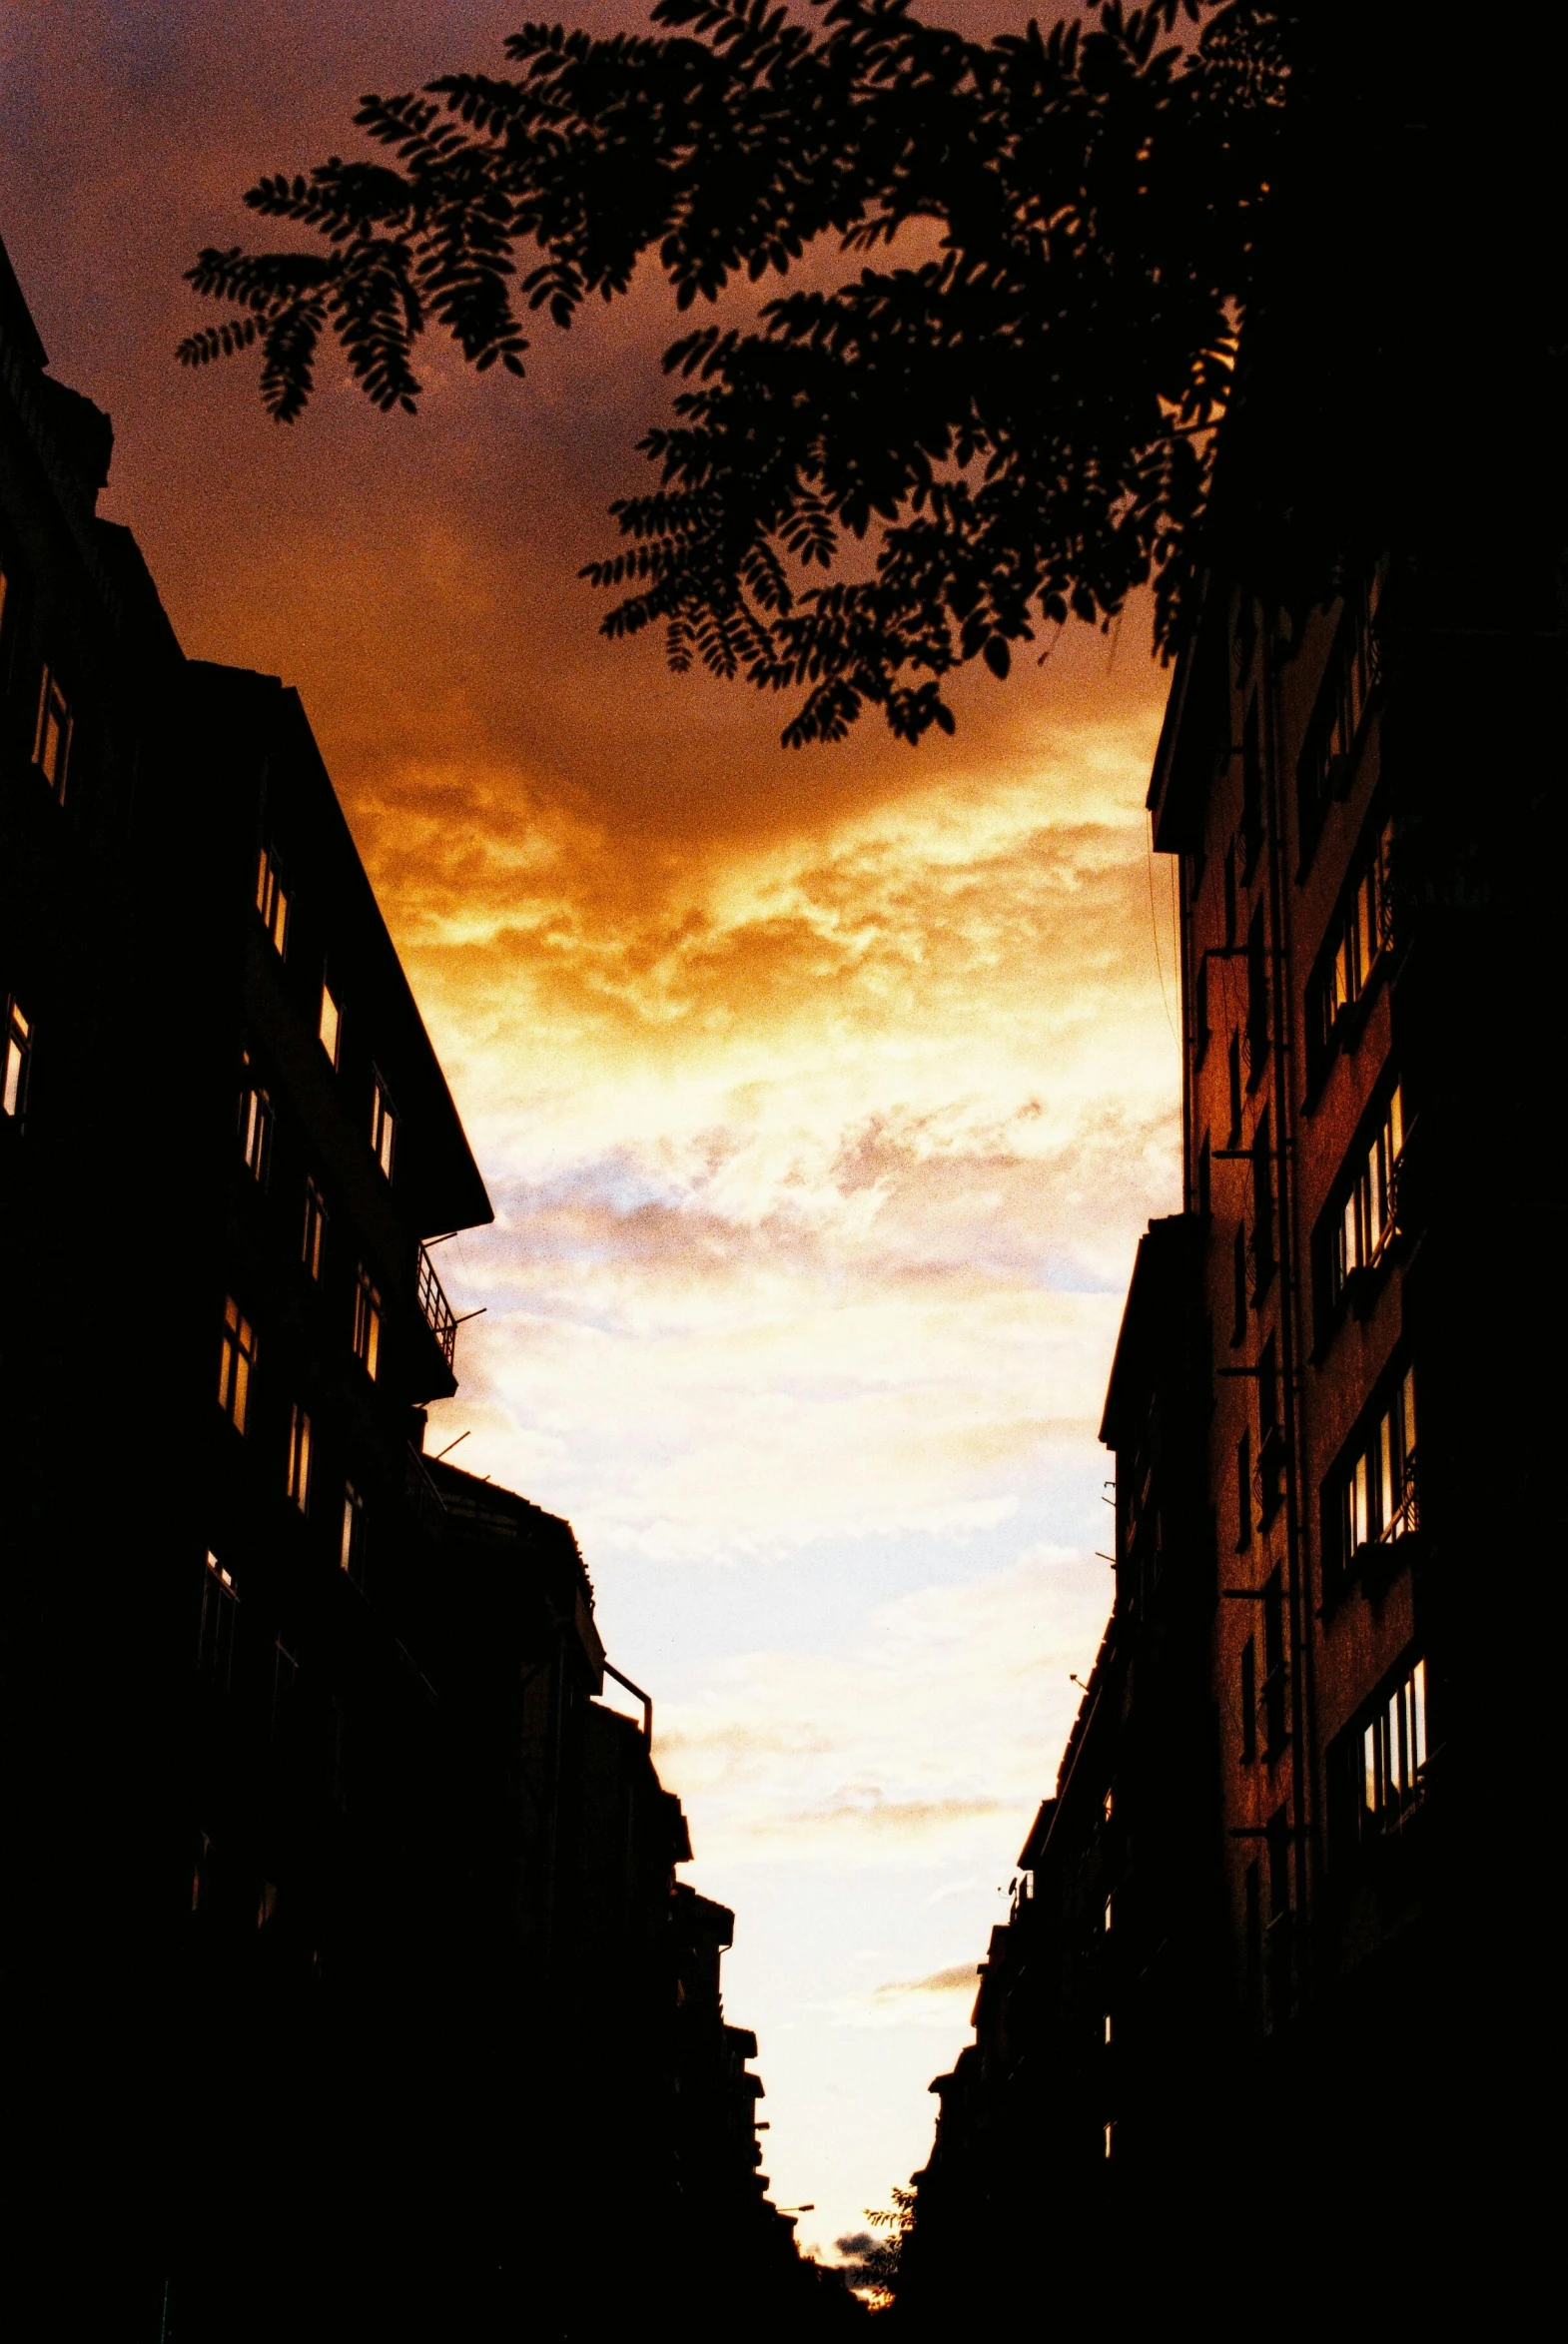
349,1989
1262,1936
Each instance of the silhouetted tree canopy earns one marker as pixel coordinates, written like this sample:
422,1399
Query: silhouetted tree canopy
1059,241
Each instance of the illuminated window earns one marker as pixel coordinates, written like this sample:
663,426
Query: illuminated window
1393,1753
1108,2026
220,1617
315,1244
1111,2135
1107,1805
1368,1221
272,900
351,1554
384,1124
298,1474
235,1364
331,1026
367,1323
1378,1499
255,1128
52,739
1361,932
1110,1902
17,1061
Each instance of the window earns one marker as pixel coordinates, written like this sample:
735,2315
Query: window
1328,752
1107,1805
1249,1702
220,1616
1277,1721
272,900
315,1244
1268,1482
297,1472
1369,1218
1254,1040
1231,893
1111,2135
1362,931
1233,1071
1393,1753
52,739
1238,1286
1278,1940
384,1124
367,1323
331,1026
17,1061
1109,1903
1378,1500
255,1128
1108,2026
201,1869
350,1553
235,1364
1243,1492
1262,1206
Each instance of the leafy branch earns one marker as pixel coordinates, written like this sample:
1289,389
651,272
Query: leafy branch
1020,428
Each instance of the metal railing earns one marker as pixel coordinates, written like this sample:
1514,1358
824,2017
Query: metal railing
438,1316
1406,1515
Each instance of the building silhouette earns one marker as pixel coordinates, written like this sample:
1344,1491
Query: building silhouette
1242,2014
349,1989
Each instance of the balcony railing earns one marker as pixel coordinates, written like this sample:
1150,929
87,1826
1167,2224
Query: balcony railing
1405,1516
438,1316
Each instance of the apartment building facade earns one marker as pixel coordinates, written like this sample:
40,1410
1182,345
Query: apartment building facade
1256,1958
1346,789
346,1977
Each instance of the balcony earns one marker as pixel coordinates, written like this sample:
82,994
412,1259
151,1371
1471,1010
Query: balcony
438,1316
1404,1517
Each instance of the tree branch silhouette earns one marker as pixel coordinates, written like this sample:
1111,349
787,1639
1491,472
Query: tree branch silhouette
1021,425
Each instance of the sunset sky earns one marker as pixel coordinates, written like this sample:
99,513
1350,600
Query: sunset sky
822,1095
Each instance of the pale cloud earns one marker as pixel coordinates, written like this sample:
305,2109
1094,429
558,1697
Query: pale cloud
819,1168
959,1978
934,1734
